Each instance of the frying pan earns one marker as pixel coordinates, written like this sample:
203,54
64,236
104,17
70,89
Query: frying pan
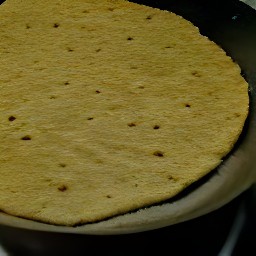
232,25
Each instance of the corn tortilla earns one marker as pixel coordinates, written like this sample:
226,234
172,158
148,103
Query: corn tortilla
107,107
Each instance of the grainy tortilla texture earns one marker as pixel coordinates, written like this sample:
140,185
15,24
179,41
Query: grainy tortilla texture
108,107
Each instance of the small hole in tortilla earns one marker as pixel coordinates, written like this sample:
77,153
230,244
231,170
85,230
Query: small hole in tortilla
158,153
131,124
56,25
12,118
26,137
70,49
170,178
196,74
62,188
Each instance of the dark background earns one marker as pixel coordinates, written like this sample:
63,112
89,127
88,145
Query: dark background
232,25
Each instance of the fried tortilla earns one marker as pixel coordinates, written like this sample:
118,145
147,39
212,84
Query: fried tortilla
108,107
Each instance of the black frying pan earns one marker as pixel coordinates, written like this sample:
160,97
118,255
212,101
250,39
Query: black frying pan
232,25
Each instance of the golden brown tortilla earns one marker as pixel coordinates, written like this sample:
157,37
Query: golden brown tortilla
107,107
